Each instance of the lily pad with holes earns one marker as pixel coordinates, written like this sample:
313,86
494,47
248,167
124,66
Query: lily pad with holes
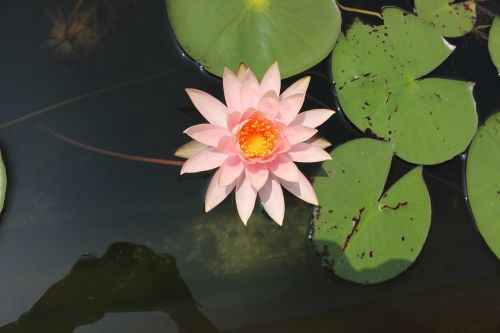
483,181
221,33
452,19
378,73
494,42
366,236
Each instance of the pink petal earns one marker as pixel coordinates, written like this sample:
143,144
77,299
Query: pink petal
257,174
250,91
297,134
284,168
216,194
307,153
227,146
301,189
247,114
207,133
299,87
290,107
268,104
189,149
230,170
271,196
233,119
271,80
312,118
207,159
245,199
232,90
210,107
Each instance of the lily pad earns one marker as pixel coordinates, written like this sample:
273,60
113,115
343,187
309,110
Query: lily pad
221,33
483,181
378,73
494,42
3,183
450,18
367,237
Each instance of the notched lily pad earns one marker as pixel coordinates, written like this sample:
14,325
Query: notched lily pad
222,33
494,42
363,235
483,181
451,18
378,70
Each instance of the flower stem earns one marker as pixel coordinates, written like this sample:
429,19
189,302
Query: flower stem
108,152
87,95
359,11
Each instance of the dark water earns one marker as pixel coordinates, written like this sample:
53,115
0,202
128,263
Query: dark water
91,243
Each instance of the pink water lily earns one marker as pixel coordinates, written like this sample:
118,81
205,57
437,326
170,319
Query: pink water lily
254,140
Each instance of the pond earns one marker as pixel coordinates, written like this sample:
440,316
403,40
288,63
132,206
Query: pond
96,243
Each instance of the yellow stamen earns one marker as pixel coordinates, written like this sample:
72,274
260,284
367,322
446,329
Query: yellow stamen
258,137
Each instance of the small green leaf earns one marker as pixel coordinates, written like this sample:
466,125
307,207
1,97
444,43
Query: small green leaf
483,181
450,18
365,236
378,70
494,42
224,33
3,183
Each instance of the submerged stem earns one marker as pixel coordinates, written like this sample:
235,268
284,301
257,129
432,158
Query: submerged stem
83,96
108,152
359,11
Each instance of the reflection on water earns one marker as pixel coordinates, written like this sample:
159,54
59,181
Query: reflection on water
127,278
472,307
222,244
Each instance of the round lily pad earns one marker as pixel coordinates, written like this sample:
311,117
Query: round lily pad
366,236
450,18
483,181
494,42
224,33
378,73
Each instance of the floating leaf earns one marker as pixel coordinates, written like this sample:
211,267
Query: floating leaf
221,33
378,72
365,236
494,42
448,17
483,181
3,183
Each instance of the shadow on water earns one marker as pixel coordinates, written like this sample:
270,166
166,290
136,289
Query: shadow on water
127,278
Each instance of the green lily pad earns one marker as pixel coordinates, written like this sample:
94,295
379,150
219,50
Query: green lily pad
449,18
483,181
222,33
3,183
367,237
494,42
378,70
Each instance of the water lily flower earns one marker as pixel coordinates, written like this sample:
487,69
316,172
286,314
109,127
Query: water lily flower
254,141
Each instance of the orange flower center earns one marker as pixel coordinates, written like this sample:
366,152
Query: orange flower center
258,137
